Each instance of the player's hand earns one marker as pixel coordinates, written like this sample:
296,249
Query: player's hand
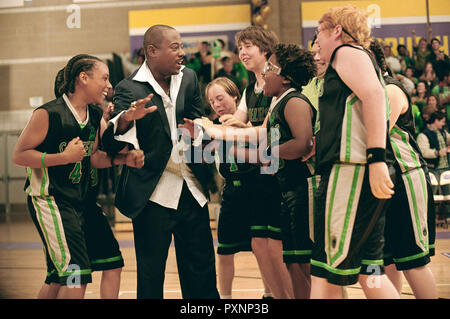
380,181
135,158
206,123
191,128
107,111
74,151
137,109
230,120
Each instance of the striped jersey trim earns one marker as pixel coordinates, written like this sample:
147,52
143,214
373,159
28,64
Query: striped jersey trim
296,252
413,257
313,184
353,140
334,270
106,260
416,190
268,227
50,222
39,181
341,210
405,155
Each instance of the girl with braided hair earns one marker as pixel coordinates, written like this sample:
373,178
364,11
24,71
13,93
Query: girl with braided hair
58,147
410,225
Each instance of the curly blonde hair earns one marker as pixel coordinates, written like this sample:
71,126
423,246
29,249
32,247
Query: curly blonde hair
354,22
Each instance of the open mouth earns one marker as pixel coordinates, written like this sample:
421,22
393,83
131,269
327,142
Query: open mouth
245,60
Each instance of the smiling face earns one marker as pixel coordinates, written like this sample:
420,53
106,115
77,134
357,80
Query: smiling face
167,55
321,65
327,41
251,56
421,88
439,124
221,102
273,85
97,83
435,44
432,101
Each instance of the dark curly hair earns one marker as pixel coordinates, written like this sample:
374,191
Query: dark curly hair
76,65
297,64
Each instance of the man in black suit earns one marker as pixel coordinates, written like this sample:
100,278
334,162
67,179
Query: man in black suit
167,196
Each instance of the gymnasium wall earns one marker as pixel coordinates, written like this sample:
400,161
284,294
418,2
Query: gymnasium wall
39,37
391,21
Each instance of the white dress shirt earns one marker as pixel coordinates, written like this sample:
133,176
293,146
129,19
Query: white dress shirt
168,190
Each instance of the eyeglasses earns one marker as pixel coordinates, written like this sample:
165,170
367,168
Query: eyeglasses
269,66
317,31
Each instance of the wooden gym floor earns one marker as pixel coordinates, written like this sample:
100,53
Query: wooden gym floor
22,265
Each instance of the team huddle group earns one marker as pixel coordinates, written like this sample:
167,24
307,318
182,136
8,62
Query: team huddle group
350,200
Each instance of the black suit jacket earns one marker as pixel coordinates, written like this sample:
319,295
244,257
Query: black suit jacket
153,133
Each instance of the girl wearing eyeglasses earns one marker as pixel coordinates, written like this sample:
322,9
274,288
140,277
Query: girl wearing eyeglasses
289,128
289,131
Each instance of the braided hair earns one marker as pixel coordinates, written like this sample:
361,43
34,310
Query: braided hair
76,65
297,64
378,53
59,80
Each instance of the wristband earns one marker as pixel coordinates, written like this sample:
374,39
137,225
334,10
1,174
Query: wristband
376,154
42,159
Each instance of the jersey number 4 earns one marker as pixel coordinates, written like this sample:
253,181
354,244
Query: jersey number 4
75,174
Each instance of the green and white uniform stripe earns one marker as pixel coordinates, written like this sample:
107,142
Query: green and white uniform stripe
343,193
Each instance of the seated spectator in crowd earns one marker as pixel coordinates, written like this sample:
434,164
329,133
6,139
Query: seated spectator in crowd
192,61
440,61
431,107
433,101
420,95
404,57
224,52
392,62
426,113
429,76
205,57
421,53
442,91
228,71
433,143
409,73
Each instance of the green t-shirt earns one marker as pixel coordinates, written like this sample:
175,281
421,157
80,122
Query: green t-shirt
312,91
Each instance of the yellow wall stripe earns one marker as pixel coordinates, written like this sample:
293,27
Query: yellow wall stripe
388,8
190,16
